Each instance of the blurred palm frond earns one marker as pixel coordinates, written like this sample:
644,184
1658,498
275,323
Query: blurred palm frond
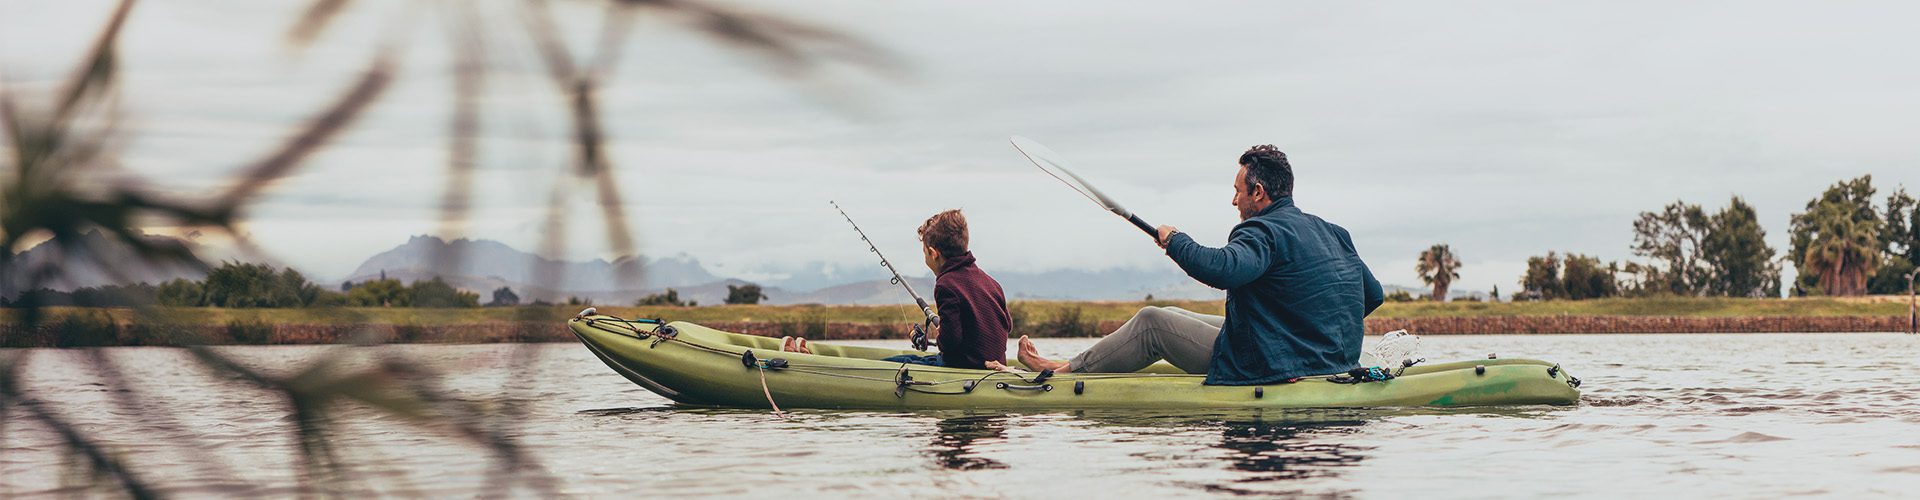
59,148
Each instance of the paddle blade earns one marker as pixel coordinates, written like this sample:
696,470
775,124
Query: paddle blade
1056,165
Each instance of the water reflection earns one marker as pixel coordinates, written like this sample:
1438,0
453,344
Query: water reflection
1266,449
1290,450
953,445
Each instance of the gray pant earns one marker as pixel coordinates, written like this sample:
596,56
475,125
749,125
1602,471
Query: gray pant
1183,338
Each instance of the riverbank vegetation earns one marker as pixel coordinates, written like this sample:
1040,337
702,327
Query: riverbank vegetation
164,326
1843,244
1024,312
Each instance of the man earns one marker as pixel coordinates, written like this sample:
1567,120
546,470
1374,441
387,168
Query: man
1297,295
972,307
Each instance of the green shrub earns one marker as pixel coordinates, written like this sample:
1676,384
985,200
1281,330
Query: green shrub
812,324
166,326
1068,322
409,333
251,332
1021,316
86,330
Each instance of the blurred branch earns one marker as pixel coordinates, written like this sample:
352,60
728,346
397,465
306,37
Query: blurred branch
392,386
316,134
315,20
11,396
793,46
59,150
469,76
96,75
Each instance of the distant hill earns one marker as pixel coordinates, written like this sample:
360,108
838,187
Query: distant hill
88,267
482,265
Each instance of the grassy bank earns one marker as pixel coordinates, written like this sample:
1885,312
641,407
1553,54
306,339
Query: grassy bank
178,326
1035,310
1693,307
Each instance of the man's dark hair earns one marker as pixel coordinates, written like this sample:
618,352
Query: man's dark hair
946,232
1267,167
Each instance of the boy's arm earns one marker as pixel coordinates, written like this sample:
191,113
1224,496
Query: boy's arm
948,304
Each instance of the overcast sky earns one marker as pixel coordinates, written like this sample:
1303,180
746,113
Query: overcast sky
1505,129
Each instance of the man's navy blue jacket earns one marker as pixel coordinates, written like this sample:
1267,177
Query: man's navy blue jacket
1297,296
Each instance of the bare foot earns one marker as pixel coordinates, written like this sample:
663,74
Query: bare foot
803,347
1030,356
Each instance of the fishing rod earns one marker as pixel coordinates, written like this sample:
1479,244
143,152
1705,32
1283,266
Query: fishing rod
933,319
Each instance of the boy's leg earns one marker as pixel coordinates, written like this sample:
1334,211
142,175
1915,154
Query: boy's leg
914,359
1152,334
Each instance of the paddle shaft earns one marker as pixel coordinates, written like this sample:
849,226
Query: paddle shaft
1144,226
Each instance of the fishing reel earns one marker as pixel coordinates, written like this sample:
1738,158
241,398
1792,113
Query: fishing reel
923,330
919,337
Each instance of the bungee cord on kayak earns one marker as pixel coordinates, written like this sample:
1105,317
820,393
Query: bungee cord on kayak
781,364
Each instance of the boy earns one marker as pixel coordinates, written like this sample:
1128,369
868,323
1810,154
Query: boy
972,307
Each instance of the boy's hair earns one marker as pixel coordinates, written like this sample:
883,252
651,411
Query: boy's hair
946,232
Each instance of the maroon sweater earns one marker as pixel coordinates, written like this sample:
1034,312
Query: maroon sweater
973,315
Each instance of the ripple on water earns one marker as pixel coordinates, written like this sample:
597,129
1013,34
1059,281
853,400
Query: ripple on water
1629,400
1747,437
1742,410
1674,414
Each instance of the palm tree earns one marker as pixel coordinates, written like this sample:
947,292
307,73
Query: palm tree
1844,251
1438,266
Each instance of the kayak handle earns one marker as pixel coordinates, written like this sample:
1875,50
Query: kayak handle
1007,386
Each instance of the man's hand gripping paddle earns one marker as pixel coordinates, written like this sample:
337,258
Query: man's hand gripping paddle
1055,165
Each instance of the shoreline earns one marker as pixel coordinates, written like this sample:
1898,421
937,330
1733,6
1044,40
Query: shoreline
102,334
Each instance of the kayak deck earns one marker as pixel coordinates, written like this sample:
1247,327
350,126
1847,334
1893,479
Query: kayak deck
696,365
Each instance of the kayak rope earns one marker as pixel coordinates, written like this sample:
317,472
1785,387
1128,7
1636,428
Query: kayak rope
968,383
802,368
1363,374
769,393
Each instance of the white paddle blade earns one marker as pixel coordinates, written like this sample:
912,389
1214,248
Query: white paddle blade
1055,165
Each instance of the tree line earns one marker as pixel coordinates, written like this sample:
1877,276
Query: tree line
249,285
1841,244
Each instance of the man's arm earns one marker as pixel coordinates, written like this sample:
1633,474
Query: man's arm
1247,255
1375,295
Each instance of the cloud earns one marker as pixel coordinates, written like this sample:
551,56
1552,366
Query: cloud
1506,129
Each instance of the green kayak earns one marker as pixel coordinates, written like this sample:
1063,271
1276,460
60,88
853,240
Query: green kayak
695,365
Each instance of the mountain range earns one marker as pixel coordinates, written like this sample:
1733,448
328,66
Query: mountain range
482,266
91,259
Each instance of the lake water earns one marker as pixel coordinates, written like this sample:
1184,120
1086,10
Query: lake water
1761,415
